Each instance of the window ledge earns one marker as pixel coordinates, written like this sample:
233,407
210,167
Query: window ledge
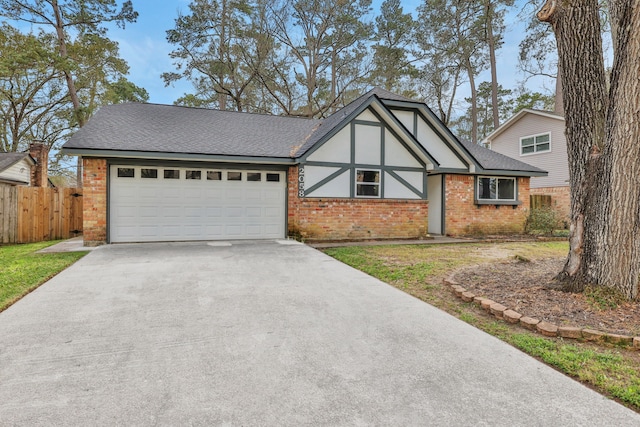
498,202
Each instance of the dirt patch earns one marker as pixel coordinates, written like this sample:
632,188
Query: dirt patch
528,288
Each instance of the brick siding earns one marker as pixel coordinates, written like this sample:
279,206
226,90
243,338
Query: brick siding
560,199
354,219
94,199
463,217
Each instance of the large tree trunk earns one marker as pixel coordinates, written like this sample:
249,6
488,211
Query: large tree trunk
602,134
619,256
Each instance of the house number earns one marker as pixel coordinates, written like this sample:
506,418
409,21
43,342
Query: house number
301,181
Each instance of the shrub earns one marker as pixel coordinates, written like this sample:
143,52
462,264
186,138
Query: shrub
542,221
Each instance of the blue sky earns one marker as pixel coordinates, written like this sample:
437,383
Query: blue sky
143,45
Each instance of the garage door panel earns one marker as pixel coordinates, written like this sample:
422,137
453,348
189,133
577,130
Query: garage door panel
255,212
148,212
214,212
170,211
233,230
193,211
158,209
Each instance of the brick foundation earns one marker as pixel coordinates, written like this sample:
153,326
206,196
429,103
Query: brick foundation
94,200
463,217
560,198
354,219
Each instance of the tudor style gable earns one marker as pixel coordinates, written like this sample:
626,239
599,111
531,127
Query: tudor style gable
365,158
428,134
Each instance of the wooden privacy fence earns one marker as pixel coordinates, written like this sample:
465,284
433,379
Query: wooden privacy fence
35,214
540,201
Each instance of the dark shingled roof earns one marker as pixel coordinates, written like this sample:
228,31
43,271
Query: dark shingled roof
154,128
9,159
173,129
490,160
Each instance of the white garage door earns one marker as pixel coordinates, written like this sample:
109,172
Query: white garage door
150,204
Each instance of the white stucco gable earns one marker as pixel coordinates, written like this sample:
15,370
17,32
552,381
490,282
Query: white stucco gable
371,155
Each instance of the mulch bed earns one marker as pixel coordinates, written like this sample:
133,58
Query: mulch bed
528,288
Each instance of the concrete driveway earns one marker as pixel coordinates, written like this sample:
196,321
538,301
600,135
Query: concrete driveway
262,333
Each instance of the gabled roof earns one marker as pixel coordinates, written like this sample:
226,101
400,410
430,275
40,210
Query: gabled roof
341,118
514,119
344,114
168,131
485,160
9,159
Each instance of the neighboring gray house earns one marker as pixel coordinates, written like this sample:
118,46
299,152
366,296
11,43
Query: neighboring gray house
15,168
537,138
26,169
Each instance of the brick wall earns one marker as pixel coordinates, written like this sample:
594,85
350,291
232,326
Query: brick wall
463,217
354,219
560,198
94,179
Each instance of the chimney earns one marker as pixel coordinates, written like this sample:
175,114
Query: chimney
39,174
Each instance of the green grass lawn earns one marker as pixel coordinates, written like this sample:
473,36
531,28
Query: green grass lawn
22,270
419,270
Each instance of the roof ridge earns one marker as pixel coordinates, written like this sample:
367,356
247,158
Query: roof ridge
155,104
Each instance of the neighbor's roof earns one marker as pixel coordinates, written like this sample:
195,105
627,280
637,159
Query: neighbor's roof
514,119
185,130
491,161
9,159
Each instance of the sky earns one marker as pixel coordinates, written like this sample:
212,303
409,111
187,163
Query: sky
143,45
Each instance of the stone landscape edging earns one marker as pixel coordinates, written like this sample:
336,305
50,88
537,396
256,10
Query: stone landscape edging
548,329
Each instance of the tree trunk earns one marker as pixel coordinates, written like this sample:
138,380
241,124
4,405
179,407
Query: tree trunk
602,134
71,86
474,102
491,43
558,105
222,97
619,250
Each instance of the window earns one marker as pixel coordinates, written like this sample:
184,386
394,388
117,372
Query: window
367,183
194,175
535,144
214,175
126,172
273,177
234,176
254,176
496,189
171,174
148,173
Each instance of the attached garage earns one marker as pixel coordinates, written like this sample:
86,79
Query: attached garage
167,203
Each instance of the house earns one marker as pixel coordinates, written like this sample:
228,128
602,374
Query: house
15,168
25,169
537,138
382,167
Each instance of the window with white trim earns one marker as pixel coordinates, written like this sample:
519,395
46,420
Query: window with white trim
496,189
367,183
535,144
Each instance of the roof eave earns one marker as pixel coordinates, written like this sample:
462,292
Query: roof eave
148,155
504,172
